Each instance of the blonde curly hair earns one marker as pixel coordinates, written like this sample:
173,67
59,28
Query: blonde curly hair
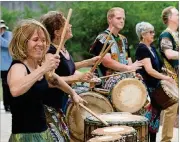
21,34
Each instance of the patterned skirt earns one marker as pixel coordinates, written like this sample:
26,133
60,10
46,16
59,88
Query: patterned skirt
153,114
32,137
57,124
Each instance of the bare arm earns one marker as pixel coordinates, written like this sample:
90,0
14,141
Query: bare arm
112,64
19,81
167,48
152,72
77,77
86,63
130,61
171,54
61,84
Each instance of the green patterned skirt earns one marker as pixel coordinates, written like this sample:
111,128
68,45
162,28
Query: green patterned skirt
32,137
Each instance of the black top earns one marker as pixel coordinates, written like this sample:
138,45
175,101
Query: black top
143,52
27,110
98,44
56,98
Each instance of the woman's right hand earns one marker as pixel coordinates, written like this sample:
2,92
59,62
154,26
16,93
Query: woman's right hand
170,79
51,62
78,100
136,65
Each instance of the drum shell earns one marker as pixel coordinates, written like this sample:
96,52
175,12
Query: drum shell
140,126
75,129
162,99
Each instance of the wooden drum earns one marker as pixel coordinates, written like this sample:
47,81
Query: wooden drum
129,133
75,117
139,123
109,138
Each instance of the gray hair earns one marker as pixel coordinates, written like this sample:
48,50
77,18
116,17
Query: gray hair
143,27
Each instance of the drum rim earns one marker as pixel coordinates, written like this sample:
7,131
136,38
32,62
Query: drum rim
143,121
124,80
131,130
70,107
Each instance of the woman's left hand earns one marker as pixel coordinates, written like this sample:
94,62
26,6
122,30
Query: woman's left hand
86,77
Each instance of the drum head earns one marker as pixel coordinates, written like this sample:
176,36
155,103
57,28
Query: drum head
119,118
75,118
108,138
129,95
170,89
113,130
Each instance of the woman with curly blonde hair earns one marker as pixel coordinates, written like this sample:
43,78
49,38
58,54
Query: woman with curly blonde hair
27,82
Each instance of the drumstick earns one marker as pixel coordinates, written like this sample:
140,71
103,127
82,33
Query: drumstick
116,74
95,115
64,31
97,63
63,35
105,43
91,112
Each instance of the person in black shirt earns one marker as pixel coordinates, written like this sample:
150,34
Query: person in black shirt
54,22
146,53
27,82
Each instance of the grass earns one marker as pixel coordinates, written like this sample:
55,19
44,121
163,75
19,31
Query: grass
84,69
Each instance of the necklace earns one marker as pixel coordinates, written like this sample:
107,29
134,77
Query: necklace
56,46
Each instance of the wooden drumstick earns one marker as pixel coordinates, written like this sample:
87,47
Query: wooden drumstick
99,61
91,112
105,43
116,74
95,115
62,36
64,31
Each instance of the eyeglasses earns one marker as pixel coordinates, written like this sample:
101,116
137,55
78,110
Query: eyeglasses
151,32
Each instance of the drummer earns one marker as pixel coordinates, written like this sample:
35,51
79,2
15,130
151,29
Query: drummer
150,72
54,21
118,58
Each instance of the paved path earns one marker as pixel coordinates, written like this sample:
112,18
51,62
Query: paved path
5,130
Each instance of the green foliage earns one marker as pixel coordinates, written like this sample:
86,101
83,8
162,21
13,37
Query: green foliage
89,19
10,17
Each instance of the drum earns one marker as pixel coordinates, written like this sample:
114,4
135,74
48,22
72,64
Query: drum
112,81
129,95
129,133
75,117
102,91
166,94
109,138
139,123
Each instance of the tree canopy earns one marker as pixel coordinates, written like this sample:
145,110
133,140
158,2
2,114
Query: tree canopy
89,19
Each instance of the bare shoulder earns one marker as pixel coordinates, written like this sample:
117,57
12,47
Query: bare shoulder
18,69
